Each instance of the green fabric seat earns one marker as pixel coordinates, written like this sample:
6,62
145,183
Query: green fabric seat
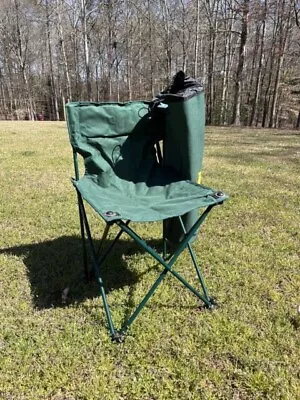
144,203
125,181
117,142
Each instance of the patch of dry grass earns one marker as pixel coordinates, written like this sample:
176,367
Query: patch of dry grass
248,249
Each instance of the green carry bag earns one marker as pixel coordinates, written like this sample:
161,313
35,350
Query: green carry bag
183,142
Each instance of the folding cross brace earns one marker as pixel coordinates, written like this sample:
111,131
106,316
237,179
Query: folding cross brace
166,262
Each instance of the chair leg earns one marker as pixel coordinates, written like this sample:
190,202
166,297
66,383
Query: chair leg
96,269
83,240
199,274
168,268
104,236
191,251
110,247
143,302
167,263
164,248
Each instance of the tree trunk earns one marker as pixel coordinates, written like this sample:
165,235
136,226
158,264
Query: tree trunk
196,47
22,60
226,65
150,48
283,33
253,64
3,96
236,118
167,40
183,38
298,121
272,121
129,69
63,50
97,82
86,51
52,80
259,69
140,58
212,12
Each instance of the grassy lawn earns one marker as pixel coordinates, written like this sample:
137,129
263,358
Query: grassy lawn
249,251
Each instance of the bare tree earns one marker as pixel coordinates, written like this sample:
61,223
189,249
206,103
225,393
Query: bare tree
236,118
262,30
60,8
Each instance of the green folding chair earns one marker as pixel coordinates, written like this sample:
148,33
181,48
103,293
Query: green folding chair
125,181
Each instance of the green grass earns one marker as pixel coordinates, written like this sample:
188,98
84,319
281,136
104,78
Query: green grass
248,250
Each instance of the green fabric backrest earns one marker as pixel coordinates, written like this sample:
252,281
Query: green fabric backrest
184,135
184,147
113,138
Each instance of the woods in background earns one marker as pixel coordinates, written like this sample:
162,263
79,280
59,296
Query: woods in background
246,53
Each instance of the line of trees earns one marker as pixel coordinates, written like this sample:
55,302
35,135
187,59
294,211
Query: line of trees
246,52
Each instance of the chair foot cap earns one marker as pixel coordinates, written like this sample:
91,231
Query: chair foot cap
213,304
118,337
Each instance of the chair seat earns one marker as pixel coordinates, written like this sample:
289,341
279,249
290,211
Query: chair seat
141,202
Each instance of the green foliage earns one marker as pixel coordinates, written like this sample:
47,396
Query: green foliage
248,249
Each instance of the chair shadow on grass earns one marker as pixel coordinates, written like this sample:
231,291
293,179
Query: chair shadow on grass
57,264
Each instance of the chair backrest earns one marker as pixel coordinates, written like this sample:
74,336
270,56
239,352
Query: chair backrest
113,138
